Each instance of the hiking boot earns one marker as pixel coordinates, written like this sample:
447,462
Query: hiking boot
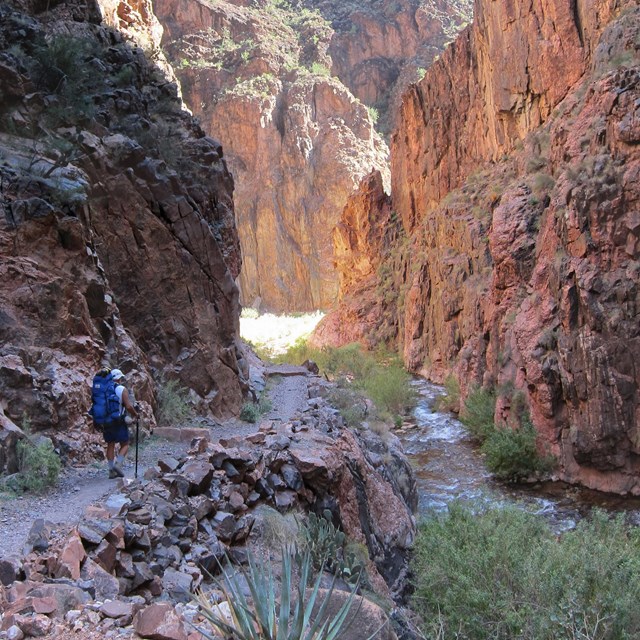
113,473
119,472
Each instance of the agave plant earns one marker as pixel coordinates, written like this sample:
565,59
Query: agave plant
262,617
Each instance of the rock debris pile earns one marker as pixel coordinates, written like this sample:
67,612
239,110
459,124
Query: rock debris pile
132,563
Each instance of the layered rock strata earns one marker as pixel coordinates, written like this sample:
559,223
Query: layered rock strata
118,241
514,176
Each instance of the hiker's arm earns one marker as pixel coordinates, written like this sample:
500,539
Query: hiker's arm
127,404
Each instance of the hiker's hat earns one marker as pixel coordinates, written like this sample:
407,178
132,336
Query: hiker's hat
116,374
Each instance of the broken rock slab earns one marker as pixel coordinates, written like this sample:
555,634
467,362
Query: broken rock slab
159,622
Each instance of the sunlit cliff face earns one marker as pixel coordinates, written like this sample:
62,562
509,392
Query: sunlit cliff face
269,81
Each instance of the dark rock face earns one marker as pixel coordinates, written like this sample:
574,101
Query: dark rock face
515,179
118,241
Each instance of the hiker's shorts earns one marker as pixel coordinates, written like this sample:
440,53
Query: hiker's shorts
116,433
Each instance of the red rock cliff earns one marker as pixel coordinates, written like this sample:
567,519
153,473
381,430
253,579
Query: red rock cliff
378,48
118,241
514,173
297,141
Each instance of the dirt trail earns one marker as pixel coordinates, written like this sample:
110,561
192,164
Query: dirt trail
79,487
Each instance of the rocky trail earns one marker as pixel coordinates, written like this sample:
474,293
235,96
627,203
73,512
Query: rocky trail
80,487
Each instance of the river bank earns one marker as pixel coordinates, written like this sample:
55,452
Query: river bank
448,466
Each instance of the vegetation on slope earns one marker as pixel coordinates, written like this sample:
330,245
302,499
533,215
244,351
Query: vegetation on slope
501,573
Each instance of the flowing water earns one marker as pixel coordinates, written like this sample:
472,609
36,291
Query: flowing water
448,466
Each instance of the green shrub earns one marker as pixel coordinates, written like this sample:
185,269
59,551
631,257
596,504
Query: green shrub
269,615
277,530
249,412
380,377
501,573
38,467
173,404
351,404
450,400
478,412
319,69
390,389
61,67
264,404
511,454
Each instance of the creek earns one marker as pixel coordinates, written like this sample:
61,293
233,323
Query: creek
448,466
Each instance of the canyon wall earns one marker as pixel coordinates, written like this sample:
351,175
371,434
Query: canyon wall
514,174
118,241
298,142
379,48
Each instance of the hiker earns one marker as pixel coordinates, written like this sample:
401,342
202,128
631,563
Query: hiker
118,431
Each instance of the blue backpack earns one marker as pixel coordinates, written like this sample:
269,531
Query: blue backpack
105,404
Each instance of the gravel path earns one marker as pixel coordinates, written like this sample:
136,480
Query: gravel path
82,486
78,487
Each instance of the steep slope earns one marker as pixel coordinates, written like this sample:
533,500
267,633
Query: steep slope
118,241
379,47
514,174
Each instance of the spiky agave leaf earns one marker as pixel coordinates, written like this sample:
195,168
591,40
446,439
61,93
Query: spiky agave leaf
262,619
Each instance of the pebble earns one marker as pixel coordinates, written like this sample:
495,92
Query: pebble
14,632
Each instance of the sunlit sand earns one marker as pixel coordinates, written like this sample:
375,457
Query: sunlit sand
277,332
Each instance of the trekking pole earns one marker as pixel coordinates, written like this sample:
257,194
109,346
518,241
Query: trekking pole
137,435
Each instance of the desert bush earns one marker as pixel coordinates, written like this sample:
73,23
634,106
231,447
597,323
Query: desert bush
277,529
379,376
390,389
38,467
251,411
511,454
173,404
62,67
478,412
501,573
351,404
450,399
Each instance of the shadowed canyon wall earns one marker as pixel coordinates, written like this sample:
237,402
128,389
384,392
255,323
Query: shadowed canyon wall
258,75
514,176
118,241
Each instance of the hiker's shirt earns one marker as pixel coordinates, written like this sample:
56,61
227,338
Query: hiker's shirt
123,412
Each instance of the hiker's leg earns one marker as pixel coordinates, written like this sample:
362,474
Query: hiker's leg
124,447
111,452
